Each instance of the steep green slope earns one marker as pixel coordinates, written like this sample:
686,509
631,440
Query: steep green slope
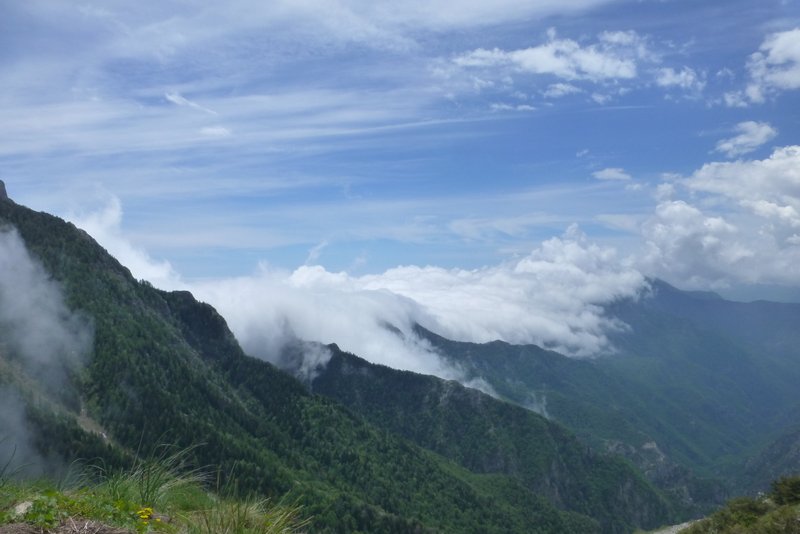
577,393
165,368
487,435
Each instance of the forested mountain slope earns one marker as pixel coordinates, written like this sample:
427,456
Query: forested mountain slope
165,368
486,435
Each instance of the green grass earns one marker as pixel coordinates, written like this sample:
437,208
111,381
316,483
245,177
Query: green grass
776,512
6,470
156,495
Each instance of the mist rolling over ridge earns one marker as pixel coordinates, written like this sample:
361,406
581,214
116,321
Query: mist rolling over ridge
39,337
554,297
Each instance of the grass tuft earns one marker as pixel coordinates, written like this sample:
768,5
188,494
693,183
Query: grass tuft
158,494
248,516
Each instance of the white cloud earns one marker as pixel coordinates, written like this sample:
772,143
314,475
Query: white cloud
665,191
612,173
682,243
105,227
43,335
775,67
686,78
735,99
558,90
751,135
775,179
614,63
612,57
501,106
552,297
741,226
770,210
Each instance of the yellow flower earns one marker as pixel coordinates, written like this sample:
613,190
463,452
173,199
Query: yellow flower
145,513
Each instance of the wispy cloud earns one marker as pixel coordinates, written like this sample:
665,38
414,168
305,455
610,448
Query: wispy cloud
315,252
216,131
686,79
41,337
751,135
612,173
558,90
613,56
179,100
104,226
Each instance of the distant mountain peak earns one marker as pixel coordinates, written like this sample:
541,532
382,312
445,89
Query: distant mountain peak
3,194
658,284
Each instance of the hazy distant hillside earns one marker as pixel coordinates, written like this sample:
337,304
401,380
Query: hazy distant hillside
773,326
161,367
696,386
731,367
779,458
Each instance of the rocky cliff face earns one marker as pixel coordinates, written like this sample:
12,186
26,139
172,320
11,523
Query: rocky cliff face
3,194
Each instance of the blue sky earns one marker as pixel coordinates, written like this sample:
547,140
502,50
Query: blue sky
362,136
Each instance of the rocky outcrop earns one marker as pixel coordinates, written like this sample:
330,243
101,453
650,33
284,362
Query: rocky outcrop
3,194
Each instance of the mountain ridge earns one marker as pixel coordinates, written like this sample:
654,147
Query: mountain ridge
164,367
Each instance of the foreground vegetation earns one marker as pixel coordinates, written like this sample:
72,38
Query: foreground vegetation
155,495
776,512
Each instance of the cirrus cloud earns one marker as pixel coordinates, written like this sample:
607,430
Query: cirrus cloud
612,173
751,135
